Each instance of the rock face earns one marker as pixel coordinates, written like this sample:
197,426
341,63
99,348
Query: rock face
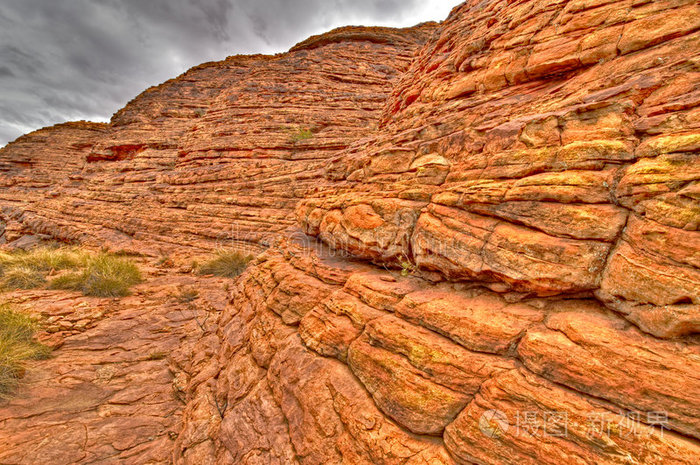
521,150
505,269
110,393
219,155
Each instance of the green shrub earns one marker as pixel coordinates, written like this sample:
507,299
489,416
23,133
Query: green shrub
17,345
104,276
226,263
301,134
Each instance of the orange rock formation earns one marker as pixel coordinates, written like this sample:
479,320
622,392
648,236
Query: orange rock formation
480,237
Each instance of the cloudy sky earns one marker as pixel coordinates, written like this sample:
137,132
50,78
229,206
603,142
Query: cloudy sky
64,60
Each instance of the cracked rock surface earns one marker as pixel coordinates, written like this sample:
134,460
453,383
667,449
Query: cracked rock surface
111,391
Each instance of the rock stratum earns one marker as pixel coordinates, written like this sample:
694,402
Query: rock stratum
479,239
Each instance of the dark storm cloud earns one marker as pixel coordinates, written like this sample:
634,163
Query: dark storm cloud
64,60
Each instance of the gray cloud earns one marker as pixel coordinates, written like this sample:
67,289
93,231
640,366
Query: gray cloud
63,60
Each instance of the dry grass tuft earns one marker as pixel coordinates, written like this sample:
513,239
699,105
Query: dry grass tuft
28,269
226,263
17,345
22,277
104,275
45,258
187,294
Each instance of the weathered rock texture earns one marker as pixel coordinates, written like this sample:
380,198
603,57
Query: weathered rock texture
216,156
506,270
544,148
111,392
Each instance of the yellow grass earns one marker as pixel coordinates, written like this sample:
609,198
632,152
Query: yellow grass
17,345
101,274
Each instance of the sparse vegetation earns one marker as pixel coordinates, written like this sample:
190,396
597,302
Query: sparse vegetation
187,294
301,134
407,267
28,269
102,274
17,345
226,263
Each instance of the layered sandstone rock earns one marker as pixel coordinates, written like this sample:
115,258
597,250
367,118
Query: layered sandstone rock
218,156
503,271
536,185
44,161
319,360
546,148
48,157
109,393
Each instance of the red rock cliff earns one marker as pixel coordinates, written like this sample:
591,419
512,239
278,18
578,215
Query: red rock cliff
217,156
502,268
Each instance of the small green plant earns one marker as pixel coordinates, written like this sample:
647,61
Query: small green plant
301,134
200,112
164,261
17,345
103,276
226,263
407,267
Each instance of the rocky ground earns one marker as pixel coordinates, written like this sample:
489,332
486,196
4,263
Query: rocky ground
111,392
